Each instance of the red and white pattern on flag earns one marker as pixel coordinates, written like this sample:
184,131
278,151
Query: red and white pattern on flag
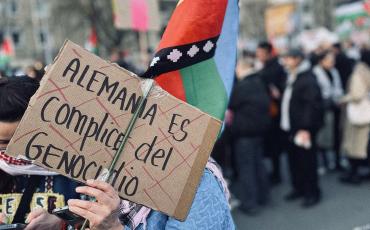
12,160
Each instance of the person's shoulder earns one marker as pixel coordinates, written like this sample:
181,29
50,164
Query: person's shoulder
210,208
361,67
208,181
247,83
308,75
209,188
276,63
307,80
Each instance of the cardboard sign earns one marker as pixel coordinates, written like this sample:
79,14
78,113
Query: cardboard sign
77,119
140,15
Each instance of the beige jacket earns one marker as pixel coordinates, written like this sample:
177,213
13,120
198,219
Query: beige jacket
355,138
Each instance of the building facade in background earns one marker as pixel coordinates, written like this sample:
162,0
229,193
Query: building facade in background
26,24
307,14
38,28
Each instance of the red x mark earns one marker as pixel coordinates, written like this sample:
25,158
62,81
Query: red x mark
131,78
162,112
140,154
156,206
128,172
109,153
158,183
130,143
103,67
52,91
192,145
166,138
123,114
165,112
85,102
139,126
107,111
103,107
194,119
23,135
95,152
174,168
57,88
75,51
165,177
63,137
73,142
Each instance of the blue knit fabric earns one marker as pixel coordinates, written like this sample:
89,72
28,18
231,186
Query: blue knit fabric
209,210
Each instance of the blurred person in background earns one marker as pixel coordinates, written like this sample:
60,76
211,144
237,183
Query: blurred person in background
119,57
343,63
273,76
35,71
331,90
301,118
2,74
249,105
357,120
351,50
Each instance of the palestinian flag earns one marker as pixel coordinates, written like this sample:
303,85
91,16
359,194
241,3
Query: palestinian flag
92,41
6,51
196,57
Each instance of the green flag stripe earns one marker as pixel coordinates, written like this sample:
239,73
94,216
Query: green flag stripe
204,88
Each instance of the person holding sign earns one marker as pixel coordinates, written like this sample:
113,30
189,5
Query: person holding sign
48,190
24,187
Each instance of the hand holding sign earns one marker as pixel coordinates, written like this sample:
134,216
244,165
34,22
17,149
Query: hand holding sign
102,214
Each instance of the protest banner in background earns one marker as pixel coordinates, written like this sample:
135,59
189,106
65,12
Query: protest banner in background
279,20
140,15
76,121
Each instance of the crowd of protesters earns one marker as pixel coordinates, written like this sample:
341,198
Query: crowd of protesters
313,107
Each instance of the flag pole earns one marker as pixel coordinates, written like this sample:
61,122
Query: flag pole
146,87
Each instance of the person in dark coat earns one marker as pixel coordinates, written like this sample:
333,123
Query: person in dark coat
273,76
301,118
343,63
272,72
249,105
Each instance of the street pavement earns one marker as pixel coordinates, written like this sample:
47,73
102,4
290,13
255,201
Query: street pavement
343,207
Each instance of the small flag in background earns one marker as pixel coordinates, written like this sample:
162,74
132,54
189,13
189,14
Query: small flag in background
92,41
196,57
7,51
367,6
139,15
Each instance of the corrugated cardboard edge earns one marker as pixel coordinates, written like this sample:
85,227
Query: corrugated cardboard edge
188,194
